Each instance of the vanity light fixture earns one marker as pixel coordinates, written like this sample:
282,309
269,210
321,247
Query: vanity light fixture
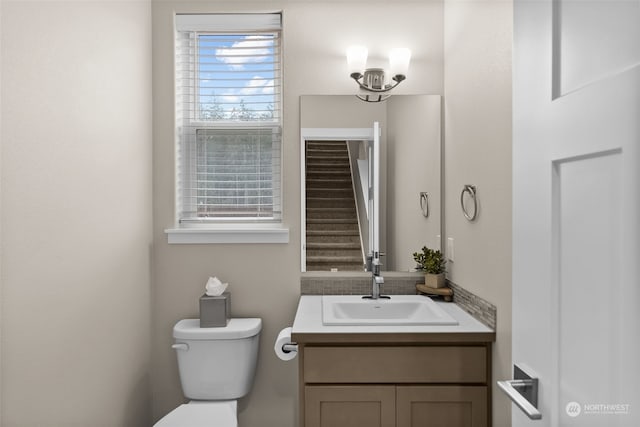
373,79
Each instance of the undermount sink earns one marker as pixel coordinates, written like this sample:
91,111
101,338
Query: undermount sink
399,310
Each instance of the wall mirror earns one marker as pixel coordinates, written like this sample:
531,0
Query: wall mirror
336,134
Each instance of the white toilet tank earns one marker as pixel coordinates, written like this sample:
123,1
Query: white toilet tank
217,363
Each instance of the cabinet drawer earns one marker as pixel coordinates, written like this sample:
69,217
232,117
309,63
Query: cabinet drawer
397,364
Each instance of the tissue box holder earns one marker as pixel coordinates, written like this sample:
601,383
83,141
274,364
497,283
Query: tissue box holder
215,312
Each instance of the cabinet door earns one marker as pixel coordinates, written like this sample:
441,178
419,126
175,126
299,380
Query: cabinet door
442,406
350,406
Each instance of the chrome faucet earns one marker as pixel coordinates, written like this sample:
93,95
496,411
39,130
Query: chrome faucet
373,265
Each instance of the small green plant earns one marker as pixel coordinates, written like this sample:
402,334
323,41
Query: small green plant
430,261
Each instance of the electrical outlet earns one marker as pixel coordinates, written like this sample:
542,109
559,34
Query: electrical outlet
450,251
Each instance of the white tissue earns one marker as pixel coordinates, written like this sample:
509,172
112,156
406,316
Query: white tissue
284,337
215,287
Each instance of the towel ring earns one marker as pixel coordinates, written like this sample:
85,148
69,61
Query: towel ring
471,189
424,203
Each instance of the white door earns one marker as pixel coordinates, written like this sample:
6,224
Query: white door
576,209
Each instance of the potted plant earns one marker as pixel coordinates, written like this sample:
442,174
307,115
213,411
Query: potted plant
432,263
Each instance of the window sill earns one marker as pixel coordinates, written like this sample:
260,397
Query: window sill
229,234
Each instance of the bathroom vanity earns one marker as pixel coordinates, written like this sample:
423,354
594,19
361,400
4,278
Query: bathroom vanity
392,375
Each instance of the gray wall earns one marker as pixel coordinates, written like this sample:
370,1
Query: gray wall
75,209
264,279
413,166
477,112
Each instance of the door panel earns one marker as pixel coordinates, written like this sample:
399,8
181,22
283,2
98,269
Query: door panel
594,40
586,322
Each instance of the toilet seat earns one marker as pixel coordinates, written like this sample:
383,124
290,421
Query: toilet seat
201,414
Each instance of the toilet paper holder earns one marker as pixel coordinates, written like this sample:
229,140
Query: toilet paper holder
286,349
290,347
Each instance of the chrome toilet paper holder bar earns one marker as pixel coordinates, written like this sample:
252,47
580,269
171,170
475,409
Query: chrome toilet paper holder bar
290,347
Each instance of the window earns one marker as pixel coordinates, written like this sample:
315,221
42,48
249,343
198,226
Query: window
228,119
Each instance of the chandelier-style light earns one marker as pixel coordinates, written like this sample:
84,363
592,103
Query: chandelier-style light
373,79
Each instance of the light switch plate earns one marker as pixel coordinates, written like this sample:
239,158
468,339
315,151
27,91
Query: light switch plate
450,251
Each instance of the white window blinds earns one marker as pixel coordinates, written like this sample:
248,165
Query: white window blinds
228,112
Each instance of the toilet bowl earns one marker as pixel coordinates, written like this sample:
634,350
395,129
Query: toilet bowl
216,367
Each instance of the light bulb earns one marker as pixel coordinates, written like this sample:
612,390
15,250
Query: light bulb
399,61
357,59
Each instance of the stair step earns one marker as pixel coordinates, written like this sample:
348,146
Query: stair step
330,190
333,221
330,213
333,233
336,267
314,161
333,236
313,185
328,144
313,172
312,149
334,259
327,161
347,255
333,245
329,174
327,155
331,182
329,202
349,210
332,227
338,203
327,238
329,199
332,166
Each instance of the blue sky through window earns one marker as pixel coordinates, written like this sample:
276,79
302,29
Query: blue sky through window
237,76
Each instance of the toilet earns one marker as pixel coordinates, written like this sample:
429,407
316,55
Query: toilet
216,367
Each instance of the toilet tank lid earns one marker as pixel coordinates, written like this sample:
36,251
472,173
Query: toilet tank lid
236,328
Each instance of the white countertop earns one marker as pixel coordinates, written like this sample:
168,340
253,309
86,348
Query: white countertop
308,320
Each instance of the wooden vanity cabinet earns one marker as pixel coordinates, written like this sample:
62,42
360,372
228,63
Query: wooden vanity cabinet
401,384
